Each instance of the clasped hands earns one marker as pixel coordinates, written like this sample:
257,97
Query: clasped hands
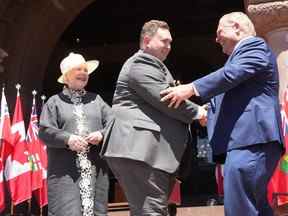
176,95
78,143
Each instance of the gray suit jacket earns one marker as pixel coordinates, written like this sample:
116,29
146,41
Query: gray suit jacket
144,128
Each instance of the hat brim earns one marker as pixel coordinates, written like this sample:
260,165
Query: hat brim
91,67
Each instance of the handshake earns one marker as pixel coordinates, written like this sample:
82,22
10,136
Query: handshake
176,95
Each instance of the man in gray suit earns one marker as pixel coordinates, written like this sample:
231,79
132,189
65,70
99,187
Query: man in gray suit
146,141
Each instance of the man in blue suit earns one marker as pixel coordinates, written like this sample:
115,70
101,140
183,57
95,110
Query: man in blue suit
244,116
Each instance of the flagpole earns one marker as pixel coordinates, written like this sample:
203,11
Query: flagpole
12,208
34,93
43,98
29,206
18,86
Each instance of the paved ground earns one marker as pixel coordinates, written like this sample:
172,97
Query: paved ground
187,211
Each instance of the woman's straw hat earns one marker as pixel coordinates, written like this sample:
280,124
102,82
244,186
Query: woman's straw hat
72,61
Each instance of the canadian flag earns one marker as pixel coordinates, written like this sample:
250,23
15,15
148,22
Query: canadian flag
5,144
17,168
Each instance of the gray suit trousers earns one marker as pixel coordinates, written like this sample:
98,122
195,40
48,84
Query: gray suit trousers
147,189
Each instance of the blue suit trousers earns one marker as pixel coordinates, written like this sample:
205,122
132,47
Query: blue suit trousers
246,175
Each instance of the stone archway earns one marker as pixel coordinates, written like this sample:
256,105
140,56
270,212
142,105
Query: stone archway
29,31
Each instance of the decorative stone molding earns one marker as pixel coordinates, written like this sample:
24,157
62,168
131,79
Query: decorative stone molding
267,15
3,55
258,1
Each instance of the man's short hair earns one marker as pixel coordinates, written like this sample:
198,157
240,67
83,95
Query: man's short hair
150,28
244,21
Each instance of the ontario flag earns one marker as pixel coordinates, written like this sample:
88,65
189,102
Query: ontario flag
17,168
37,157
33,145
279,181
5,145
42,193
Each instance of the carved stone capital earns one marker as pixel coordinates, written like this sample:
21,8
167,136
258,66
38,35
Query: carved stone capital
267,15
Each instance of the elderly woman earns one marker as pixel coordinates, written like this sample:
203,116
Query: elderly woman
72,125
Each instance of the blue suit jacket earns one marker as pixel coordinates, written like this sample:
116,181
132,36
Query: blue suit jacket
243,96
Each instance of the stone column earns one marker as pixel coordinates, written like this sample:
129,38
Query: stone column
278,40
271,22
